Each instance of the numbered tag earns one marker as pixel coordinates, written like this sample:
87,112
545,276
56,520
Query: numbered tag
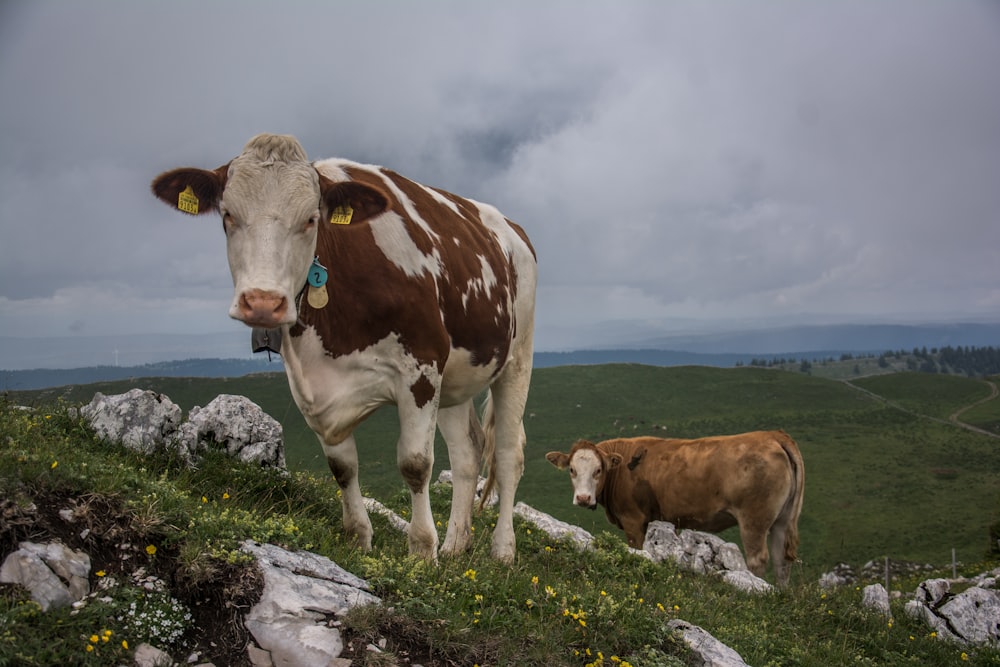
317,296
317,274
342,215
187,201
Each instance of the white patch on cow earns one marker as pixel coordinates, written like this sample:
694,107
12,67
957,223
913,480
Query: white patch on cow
461,377
409,207
334,168
585,468
441,199
335,393
395,242
483,285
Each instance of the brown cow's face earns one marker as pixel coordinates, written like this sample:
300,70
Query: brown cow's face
587,467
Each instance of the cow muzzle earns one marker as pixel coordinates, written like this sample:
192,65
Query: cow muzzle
260,308
585,501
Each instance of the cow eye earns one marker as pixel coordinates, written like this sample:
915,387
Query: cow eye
597,473
311,222
572,472
228,223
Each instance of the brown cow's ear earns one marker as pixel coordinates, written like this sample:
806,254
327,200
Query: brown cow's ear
614,460
191,190
349,202
558,459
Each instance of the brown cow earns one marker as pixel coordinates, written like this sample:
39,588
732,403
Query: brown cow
754,480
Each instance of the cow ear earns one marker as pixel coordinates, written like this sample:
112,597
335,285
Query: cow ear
191,190
558,459
614,460
349,202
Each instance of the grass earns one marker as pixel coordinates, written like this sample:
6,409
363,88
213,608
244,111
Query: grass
554,606
880,481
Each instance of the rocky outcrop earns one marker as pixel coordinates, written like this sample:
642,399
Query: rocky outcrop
236,425
302,592
55,575
146,421
703,553
969,617
706,649
140,419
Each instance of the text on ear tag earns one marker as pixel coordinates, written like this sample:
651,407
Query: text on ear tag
317,296
187,202
317,274
341,215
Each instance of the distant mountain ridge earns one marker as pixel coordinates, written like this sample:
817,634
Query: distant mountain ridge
720,349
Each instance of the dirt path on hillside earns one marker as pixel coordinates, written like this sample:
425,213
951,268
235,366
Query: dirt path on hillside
952,419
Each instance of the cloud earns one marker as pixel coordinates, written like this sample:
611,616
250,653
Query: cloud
669,160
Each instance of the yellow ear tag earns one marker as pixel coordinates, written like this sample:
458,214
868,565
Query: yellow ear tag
341,215
317,296
187,202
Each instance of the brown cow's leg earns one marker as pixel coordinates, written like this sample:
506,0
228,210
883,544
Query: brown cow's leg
776,539
635,530
755,547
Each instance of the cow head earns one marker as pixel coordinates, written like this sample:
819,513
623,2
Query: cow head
588,470
272,202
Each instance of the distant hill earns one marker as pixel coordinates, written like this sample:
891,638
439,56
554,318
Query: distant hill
41,378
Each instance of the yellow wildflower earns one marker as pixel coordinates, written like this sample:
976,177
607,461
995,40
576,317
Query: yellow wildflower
90,648
54,464
225,496
100,573
151,549
124,644
94,639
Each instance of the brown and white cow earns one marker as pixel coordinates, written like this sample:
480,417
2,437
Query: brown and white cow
754,480
386,291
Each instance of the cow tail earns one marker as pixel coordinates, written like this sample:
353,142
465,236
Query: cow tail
489,450
793,506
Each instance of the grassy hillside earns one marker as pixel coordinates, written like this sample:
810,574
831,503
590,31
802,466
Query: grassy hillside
880,481
554,606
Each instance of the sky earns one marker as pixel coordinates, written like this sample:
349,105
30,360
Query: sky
677,165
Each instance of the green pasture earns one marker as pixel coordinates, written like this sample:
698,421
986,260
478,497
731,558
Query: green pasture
885,476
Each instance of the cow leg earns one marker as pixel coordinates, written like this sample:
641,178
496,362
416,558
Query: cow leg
755,547
464,436
343,461
415,458
509,396
776,540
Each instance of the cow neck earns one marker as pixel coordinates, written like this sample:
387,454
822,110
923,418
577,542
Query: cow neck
610,478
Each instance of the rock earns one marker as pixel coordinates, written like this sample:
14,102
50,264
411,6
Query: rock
447,478
396,521
141,420
709,651
970,617
236,425
876,597
300,591
841,575
746,581
554,527
55,575
150,656
703,553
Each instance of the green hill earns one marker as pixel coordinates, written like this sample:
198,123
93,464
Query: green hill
883,478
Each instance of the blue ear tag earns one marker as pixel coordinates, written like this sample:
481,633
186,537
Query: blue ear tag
317,274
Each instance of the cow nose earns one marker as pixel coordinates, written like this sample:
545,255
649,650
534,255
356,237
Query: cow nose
260,308
583,500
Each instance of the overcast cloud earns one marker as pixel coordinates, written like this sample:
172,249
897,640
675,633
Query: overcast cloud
675,163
